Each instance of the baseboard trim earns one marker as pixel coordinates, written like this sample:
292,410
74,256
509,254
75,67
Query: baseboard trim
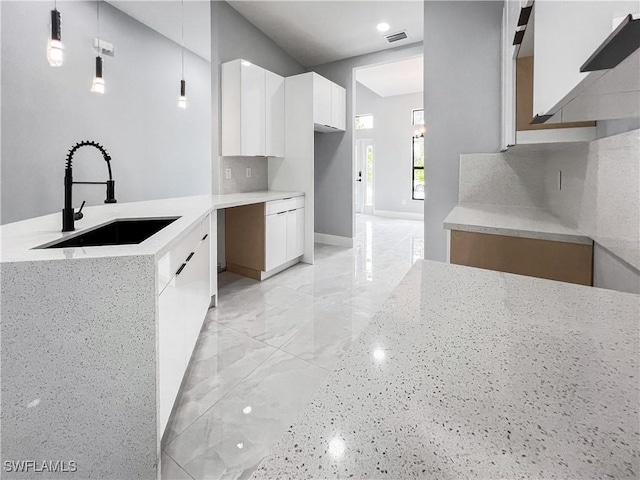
402,215
335,240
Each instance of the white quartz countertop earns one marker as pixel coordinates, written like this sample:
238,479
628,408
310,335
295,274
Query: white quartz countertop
527,222
19,239
471,373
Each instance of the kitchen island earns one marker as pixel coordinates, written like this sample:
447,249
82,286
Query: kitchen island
95,340
471,373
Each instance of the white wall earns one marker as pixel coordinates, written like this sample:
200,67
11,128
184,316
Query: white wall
334,166
392,133
461,99
158,149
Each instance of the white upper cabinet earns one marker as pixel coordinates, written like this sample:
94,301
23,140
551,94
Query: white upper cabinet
274,114
329,105
338,106
321,101
565,35
252,111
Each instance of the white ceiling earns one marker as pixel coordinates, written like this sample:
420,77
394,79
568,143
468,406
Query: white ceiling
165,17
317,32
397,78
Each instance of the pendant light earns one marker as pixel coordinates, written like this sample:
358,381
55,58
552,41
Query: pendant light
182,101
55,48
98,82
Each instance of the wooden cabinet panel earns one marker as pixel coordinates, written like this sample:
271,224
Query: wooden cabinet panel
524,100
245,236
566,262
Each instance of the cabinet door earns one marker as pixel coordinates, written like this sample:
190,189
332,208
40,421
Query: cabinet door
252,110
275,240
193,282
292,220
171,348
338,107
299,248
565,35
274,86
321,100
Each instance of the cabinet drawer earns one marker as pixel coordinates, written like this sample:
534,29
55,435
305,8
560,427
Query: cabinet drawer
171,261
299,202
277,206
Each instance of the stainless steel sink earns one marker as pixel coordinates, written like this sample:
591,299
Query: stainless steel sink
123,231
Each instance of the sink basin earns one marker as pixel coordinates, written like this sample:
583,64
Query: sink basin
123,231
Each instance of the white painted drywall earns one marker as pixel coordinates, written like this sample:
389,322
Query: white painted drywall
462,98
158,149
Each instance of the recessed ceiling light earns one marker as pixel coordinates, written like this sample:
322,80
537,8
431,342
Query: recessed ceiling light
383,27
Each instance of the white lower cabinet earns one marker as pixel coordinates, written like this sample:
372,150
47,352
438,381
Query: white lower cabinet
182,307
275,240
284,232
295,233
299,249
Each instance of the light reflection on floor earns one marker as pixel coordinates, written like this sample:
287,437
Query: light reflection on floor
268,347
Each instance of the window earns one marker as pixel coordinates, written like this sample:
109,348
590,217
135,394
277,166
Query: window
368,202
418,168
417,116
364,122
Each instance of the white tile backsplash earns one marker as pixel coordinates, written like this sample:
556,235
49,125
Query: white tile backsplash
239,182
515,179
600,192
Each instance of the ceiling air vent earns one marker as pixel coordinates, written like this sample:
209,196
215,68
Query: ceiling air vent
394,37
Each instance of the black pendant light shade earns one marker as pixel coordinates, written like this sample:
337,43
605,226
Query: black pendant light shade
55,49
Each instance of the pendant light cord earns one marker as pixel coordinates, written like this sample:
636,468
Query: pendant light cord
182,37
98,26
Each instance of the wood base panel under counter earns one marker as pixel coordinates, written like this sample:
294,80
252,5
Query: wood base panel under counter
244,238
552,260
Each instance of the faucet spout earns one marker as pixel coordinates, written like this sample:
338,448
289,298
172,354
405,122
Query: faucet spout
68,214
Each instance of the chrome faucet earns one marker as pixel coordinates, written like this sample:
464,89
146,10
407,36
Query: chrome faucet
69,216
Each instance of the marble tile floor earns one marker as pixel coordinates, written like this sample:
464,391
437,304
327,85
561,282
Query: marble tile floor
267,348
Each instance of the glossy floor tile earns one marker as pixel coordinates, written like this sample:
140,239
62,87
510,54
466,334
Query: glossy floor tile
232,437
268,346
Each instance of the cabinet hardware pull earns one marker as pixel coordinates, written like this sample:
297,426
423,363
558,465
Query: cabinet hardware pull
181,268
205,236
525,13
189,257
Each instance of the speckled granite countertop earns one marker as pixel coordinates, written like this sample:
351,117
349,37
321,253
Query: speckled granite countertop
527,222
470,373
19,239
